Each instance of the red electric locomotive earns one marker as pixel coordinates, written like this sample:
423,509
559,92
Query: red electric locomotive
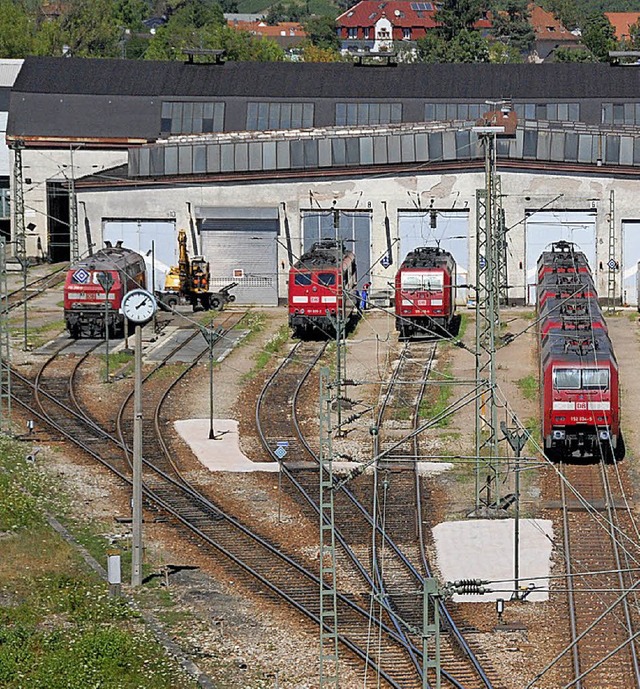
321,285
563,257
580,404
424,296
84,295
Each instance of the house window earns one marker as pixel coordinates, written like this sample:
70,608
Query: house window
194,117
352,32
367,33
262,116
406,34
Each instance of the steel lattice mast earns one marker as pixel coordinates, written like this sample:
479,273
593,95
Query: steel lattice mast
612,263
329,675
19,232
5,351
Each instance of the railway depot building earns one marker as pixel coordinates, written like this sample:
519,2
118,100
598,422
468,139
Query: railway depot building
258,160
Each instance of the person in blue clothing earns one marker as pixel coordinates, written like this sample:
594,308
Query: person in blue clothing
364,296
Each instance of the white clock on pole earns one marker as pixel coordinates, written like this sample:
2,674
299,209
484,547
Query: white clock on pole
138,305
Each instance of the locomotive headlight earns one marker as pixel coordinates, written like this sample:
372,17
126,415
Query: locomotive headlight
561,418
604,435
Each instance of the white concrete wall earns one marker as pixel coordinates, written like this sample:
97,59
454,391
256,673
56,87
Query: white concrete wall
521,191
39,166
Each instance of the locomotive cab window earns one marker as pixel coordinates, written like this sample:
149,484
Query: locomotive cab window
595,378
576,378
411,281
327,279
433,282
566,378
97,275
302,279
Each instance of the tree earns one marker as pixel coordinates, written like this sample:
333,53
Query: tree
49,39
313,53
453,16
634,36
171,40
91,29
466,46
322,33
16,30
499,53
431,48
568,55
131,13
511,24
599,36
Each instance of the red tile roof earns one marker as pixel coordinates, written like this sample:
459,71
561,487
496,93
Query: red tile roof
547,27
401,13
621,21
282,30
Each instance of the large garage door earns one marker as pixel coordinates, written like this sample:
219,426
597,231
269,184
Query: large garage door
141,236
354,227
630,258
544,228
451,232
241,246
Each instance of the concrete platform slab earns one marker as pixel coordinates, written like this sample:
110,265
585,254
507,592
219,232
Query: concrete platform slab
484,549
223,454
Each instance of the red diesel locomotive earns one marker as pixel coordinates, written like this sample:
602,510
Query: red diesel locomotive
424,292
322,284
84,295
580,403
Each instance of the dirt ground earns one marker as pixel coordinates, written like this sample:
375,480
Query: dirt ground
241,640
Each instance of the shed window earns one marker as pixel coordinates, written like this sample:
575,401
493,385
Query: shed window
191,117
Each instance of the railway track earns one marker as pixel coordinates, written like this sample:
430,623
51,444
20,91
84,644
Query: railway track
277,574
21,295
354,523
600,545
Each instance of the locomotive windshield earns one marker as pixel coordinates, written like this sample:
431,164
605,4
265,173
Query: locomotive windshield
427,281
327,279
302,279
581,378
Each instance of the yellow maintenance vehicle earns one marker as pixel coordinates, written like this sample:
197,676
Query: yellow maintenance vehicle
188,282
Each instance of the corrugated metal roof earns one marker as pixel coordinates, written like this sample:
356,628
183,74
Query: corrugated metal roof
59,76
9,71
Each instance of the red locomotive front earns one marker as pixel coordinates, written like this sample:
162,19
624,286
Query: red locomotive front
580,408
321,285
424,298
84,293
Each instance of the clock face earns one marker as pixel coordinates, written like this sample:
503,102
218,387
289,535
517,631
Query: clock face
138,305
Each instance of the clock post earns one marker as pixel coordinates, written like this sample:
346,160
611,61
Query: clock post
138,306
136,503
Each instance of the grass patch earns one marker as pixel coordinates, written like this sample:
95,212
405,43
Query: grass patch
528,315
437,398
272,347
464,324
58,627
37,335
118,363
529,387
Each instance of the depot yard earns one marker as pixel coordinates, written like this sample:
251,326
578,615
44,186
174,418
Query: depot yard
235,637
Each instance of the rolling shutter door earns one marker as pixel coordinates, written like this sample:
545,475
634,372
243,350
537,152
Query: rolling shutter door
240,245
